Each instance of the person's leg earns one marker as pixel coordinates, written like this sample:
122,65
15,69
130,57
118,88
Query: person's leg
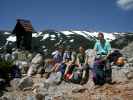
108,72
66,70
85,74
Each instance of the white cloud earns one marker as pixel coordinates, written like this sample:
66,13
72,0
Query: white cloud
125,4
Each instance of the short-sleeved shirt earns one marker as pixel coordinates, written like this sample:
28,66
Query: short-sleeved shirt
67,55
81,58
58,57
102,48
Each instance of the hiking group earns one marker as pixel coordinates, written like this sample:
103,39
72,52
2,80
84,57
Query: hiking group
71,66
74,67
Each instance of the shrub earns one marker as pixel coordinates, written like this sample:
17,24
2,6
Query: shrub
5,68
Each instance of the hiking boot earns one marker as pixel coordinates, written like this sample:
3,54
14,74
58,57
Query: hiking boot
111,82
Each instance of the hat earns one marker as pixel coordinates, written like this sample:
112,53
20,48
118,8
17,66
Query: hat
100,33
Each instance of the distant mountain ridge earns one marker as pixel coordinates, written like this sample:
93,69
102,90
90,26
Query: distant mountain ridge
47,40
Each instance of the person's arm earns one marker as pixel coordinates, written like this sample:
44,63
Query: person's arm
108,48
95,49
78,61
86,59
73,58
64,57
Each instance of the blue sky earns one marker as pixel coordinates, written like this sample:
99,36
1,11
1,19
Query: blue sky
92,15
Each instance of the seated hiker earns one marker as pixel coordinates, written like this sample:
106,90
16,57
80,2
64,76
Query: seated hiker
69,56
55,75
58,57
82,62
69,59
102,69
48,66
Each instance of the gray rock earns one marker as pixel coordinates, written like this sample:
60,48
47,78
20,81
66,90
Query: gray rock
40,97
40,93
21,84
14,83
10,97
99,97
41,85
79,90
54,78
33,69
130,60
23,65
8,57
41,89
129,75
128,50
122,74
30,97
48,98
38,59
25,82
117,98
37,85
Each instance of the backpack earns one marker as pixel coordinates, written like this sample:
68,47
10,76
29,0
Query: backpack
114,57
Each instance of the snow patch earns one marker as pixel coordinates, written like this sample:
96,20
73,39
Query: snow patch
109,36
39,33
11,38
52,39
7,33
67,32
72,40
45,50
80,33
34,34
45,36
52,36
43,46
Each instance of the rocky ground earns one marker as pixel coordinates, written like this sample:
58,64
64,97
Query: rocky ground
35,87
69,91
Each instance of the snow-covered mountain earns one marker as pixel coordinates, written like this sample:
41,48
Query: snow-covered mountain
86,34
48,39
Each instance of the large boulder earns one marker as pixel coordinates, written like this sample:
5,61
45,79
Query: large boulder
14,83
7,57
22,59
127,51
25,82
23,66
122,74
118,75
54,78
33,69
38,59
36,65
129,74
21,84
